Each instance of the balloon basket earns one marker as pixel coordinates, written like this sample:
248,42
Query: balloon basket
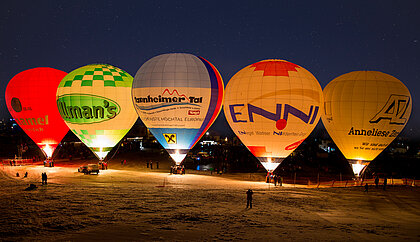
48,163
178,170
103,165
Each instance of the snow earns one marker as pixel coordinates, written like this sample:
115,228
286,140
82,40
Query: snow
134,203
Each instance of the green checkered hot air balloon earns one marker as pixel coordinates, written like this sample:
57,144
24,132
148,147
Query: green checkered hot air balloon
95,102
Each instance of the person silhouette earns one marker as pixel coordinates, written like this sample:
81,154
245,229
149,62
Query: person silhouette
385,183
249,198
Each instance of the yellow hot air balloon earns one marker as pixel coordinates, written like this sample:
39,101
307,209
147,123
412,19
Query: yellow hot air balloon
364,112
95,102
272,106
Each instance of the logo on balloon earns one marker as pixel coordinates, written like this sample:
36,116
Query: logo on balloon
16,105
84,108
164,101
275,68
193,112
170,138
394,110
281,123
32,121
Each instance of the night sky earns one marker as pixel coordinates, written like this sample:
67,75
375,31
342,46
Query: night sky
328,38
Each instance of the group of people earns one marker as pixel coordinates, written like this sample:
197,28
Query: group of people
274,178
48,163
103,165
24,176
377,184
44,178
178,170
149,164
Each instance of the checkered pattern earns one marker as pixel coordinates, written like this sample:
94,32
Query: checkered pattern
85,137
111,76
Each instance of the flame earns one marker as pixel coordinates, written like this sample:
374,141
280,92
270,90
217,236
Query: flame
357,168
177,157
101,154
270,166
101,141
48,151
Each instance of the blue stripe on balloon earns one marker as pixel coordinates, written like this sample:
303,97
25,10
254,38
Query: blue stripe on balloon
184,137
213,99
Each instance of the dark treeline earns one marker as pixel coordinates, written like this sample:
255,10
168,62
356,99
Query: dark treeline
317,156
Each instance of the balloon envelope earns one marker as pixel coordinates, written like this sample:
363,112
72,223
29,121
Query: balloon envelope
30,98
177,96
364,112
272,106
95,102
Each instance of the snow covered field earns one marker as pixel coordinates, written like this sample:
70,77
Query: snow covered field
137,204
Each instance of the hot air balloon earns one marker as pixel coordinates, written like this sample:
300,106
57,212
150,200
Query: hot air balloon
95,102
30,98
177,96
364,112
272,106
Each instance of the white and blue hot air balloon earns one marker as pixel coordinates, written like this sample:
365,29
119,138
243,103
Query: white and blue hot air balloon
178,96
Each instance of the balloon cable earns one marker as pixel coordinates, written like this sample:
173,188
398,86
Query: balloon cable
54,155
119,145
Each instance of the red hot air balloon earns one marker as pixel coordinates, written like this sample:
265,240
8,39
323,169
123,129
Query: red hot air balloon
30,98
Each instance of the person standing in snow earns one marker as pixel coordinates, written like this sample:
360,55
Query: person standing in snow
366,187
385,182
377,181
249,198
44,178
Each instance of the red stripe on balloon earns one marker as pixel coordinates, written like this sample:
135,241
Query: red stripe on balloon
218,107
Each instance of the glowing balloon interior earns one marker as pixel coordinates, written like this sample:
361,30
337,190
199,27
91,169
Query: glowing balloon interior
178,97
272,106
30,99
364,112
95,102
